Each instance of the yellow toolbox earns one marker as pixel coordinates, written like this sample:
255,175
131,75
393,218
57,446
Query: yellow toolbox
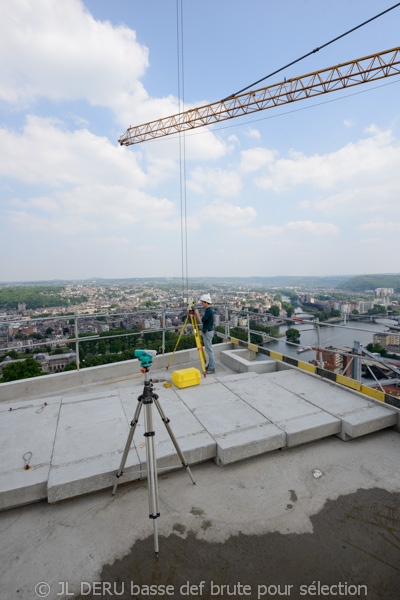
186,377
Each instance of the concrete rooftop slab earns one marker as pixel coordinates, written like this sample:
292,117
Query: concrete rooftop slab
194,441
238,430
301,421
28,430
90,439
78,439
359,415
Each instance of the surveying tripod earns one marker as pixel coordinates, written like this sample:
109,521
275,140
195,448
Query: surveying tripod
197,337
147,398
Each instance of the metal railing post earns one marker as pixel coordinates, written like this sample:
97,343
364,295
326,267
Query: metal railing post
76,343
248,326
356,366
163,330
226,323
319,354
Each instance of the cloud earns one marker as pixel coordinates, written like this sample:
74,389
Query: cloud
87,208
57,50
46,153
255,158
308,228
227,214
204,146
385,226
313,228
370,161
253,133
145,249
234,139
115,240
218,181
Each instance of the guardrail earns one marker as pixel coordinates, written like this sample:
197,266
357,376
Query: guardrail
353,384
231,316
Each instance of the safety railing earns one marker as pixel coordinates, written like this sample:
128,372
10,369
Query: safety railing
230,317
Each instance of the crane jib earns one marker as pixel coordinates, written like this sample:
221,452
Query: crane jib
362,70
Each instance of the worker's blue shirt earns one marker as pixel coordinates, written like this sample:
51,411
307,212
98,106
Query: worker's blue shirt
208,319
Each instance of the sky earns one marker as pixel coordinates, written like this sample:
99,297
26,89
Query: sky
310,188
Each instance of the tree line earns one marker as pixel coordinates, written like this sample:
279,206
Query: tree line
34,297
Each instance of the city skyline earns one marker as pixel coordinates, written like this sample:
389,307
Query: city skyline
306,189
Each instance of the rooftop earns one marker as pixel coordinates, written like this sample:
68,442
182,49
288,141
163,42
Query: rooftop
297,482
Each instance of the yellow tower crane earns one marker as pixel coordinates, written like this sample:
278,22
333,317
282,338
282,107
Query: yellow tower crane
355,72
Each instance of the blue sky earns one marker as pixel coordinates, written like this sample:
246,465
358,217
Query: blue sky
310,188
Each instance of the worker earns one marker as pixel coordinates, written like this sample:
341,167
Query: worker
207,330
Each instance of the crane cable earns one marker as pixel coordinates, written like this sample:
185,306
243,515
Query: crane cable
312,52
182,149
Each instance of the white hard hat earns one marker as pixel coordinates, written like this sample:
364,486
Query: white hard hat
205,298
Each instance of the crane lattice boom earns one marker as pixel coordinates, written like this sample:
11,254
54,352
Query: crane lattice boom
355,72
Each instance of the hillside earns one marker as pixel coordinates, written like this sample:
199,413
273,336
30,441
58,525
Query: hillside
360,283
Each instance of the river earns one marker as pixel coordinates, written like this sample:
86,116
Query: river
338,337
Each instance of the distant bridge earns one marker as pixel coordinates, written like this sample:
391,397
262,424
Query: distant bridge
375,318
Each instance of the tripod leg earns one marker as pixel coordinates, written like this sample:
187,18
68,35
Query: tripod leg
151,471
134,423
199,343
173,438
177,343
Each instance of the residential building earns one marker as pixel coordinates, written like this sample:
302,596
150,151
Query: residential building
364,306
381,292
390,342
332,360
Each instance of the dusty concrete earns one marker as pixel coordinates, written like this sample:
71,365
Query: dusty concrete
354,542
76,441
264,521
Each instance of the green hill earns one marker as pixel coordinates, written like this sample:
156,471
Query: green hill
360,283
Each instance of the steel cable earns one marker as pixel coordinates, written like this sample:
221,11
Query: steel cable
312,52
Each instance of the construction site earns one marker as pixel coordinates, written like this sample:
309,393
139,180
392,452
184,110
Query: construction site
160,477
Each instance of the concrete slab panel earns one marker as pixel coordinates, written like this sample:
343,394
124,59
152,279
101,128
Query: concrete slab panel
75,479
372,418
238,430
238,445
89,428
91,437
310,427
30,427
220,411
107,393
236,377
195,443
302,422
23,487
359,415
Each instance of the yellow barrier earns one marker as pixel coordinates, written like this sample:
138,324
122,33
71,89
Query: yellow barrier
377,394
347,381
306,366
341,379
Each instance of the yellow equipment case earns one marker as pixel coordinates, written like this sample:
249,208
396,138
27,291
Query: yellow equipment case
186,377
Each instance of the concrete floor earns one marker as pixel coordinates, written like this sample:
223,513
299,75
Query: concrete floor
265,521
75,441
